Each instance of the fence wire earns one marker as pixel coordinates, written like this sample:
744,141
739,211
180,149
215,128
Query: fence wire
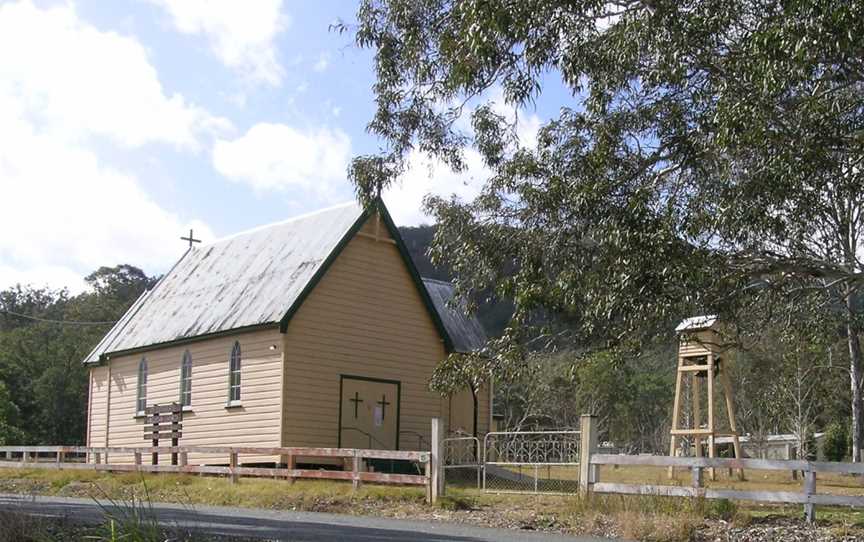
531,461
462,462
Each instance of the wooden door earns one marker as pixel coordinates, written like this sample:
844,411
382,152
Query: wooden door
369,413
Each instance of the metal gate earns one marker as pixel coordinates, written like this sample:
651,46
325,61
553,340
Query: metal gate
531,462
461,466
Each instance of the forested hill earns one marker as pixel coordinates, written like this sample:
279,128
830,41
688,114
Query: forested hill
44,335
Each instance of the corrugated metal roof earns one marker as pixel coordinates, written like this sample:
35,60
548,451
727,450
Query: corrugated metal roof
696,323
254,278
248,279
465,330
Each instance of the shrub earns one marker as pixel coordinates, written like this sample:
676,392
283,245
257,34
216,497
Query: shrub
835,442
723,509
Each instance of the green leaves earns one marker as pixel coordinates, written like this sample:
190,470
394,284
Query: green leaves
700,135
707,157
43,385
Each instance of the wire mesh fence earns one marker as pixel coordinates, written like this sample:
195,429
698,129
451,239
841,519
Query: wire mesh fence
531,461
531,478
462,462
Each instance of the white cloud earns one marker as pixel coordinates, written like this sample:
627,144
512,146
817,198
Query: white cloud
429,176
66,214
323,62
67,89
242,34
75,81
278,157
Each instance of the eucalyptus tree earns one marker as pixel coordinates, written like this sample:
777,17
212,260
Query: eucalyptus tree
707,151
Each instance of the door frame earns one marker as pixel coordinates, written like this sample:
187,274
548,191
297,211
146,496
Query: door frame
398,384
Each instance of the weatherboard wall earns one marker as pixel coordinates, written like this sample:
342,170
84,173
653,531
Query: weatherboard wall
97,407
364,318
208,421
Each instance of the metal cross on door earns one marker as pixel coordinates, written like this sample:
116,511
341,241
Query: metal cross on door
356,400
383,403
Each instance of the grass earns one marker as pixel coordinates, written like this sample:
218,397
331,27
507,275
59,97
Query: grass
201,490
634,517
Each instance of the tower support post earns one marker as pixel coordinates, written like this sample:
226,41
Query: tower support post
698,359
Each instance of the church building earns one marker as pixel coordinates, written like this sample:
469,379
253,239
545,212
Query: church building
317,332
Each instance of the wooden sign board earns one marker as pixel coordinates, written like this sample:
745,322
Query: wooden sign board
168,427
161,409
164,423
170,418
157,436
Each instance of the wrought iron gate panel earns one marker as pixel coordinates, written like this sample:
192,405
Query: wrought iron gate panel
531,461
461,465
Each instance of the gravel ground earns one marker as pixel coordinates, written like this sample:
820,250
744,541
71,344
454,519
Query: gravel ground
778,530
772,529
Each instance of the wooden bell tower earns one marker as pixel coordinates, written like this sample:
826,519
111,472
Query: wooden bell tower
700,362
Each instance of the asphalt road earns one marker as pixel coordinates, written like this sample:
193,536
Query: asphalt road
288,526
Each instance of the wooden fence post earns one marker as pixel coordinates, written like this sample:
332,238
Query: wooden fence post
435,459
138,460
290,464
588,447
355,471
697,477
232,459
427,471
809,490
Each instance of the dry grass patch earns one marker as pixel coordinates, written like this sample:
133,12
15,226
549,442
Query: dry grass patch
648,518
204,490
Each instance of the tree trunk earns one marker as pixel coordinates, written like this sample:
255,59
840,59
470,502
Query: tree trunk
854,374
476,408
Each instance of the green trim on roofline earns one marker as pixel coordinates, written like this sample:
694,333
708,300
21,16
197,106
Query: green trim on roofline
406,258
183,340
415,275
322,270
310,285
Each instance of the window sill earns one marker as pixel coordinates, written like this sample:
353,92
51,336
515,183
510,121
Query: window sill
138,415
187,408
233,404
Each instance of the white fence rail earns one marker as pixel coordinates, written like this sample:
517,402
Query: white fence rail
534,461
808,496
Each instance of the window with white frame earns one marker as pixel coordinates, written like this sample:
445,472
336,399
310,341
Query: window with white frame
186,379
234,374
141,397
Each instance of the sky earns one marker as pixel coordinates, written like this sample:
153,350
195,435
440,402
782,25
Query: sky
123,124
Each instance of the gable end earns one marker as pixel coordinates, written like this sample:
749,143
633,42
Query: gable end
406,259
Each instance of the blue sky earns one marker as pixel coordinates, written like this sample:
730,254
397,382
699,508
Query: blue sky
124,123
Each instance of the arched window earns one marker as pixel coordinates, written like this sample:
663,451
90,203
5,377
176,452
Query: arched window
141,402
186,379
234,374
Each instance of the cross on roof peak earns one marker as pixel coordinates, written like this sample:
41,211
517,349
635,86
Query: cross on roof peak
191,238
